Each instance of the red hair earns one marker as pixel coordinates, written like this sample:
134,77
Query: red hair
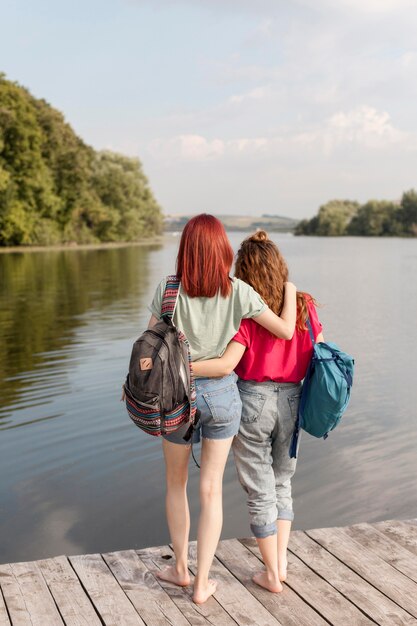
205,257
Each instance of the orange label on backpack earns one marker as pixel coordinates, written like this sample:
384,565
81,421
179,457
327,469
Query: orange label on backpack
146,364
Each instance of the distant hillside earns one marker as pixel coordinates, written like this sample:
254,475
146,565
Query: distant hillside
245,223
56,189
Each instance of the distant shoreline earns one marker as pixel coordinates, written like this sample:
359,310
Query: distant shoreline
85,246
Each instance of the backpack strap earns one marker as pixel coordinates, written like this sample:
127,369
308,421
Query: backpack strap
170,297
299,421
169,303
310,330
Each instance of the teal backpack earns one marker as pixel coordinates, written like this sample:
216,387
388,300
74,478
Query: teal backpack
325,393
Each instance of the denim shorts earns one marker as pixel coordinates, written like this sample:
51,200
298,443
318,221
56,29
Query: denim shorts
220,408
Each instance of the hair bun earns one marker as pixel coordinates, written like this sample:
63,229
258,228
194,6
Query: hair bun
259,236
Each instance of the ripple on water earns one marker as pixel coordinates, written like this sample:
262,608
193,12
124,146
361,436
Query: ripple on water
72,462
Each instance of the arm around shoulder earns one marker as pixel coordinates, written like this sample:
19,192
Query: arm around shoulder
282,326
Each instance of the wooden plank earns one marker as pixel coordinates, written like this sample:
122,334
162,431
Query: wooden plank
27,596
318,593
385,548
388,580
73,603
114,608
208,614
152,603
371,601
239,603
287,607
4,618
404,533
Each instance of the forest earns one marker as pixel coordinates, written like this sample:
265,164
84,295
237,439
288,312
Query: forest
375,218
55,189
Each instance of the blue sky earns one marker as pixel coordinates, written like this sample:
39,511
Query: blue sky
233,106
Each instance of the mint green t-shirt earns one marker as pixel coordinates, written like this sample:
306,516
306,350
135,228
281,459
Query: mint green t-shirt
210,323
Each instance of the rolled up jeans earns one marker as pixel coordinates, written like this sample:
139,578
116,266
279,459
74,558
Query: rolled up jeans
261,451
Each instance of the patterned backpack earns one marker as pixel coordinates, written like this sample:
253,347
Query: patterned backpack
159,390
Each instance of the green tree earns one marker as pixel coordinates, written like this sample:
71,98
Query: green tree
408,212
54,188
376,218
331,220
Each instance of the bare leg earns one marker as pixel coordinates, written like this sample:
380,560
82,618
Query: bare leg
269,579
178,514
214,454
284,528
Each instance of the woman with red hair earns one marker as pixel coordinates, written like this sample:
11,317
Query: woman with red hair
209,310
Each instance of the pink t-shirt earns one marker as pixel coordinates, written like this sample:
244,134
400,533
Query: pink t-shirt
270,358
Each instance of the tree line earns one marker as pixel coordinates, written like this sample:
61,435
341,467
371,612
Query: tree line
375,218
56,189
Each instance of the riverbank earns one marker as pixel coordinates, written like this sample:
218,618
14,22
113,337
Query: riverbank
88,246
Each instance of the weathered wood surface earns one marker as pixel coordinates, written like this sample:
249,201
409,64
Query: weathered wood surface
370,566
368,599
243,608
4,618
403,533
27,596
74,604
111,602
317,592
361,575
287,607
398,557
208,614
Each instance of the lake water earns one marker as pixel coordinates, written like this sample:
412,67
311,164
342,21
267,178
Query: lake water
77,476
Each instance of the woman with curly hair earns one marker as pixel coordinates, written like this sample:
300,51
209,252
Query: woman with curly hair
270,372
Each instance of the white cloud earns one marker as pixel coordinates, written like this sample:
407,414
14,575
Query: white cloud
199,148
364,122
188,147
363,126
254,94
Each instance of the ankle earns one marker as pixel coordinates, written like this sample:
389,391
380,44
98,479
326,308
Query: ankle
181,568
272,574
201,581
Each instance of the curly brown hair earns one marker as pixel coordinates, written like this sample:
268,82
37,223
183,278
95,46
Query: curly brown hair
260,264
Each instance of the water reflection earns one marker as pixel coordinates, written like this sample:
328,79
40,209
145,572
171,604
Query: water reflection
45,300
77,476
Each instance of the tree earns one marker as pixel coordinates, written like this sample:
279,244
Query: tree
54,188
331,220
129,208
376,218
408,212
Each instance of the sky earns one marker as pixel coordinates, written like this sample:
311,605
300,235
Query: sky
233,106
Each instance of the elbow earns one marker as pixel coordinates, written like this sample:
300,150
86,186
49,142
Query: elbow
289,333
226,370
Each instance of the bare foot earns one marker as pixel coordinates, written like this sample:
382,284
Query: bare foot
202,594
282,569
171,575
265,580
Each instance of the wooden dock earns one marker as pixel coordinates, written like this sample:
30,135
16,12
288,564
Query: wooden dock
362,574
